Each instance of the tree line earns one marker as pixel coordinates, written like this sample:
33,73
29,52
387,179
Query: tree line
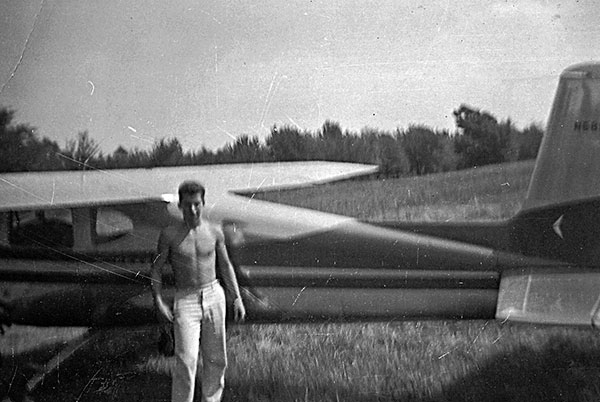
479,139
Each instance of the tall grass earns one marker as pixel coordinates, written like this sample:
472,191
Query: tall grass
486,193
385,361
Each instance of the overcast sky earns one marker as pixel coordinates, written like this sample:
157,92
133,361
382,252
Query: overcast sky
205,72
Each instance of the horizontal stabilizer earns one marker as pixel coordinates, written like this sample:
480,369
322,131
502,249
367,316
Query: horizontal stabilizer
562,296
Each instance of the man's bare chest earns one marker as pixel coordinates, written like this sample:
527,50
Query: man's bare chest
196,245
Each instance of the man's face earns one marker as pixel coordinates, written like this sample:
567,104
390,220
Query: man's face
191,206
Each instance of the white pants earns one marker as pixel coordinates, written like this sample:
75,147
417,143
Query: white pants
199,322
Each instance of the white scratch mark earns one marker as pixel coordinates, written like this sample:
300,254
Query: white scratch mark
293,122
269,99
132,129
477,336
444,17
14,71
12,380
216,59
99,267
93,87
254,193
227,132
141,139
249,200
53,191
444,355
88,384
297,297
261,184
24,190
106,172
250,175
211,16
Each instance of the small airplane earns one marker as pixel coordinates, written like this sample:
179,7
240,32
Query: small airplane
75,247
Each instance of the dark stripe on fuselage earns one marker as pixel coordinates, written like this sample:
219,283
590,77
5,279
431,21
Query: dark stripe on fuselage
359,245
320,277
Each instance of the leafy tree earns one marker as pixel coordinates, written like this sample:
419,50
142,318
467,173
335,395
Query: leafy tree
422,146
81,151
287,144
527,142
119,159
447,159
331,141
246,149
166,152
203,157
43,155
22,150
481,141
384,150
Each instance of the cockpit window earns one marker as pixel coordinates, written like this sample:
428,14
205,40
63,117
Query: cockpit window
41,228
54,227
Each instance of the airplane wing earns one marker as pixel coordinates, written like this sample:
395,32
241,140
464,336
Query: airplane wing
145,198
48,190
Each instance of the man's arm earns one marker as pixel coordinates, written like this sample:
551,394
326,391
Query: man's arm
164,311
228,276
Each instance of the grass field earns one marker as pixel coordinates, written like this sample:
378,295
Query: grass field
385,361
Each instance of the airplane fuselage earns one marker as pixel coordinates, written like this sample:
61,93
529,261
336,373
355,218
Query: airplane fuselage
351,271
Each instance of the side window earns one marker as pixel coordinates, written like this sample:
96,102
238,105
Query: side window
111,224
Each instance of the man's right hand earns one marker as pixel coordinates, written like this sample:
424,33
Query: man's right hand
164,312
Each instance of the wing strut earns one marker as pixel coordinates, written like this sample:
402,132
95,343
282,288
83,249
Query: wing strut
84,228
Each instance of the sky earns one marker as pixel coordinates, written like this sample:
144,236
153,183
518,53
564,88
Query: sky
132,72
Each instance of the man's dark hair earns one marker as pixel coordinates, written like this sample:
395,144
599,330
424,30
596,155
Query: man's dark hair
191,187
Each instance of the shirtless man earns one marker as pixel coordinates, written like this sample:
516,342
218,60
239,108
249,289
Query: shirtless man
192,248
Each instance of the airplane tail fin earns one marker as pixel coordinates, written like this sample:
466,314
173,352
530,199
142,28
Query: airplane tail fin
560,218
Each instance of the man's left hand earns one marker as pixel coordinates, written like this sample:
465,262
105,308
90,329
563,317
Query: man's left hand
239,311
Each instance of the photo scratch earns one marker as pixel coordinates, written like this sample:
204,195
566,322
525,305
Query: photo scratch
227,132
444,355
142,139
253,195
293,122
250,175
88,384
25,47
211,16
298,296
119,176
93,87
23,190
53,191
269,98
12,379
